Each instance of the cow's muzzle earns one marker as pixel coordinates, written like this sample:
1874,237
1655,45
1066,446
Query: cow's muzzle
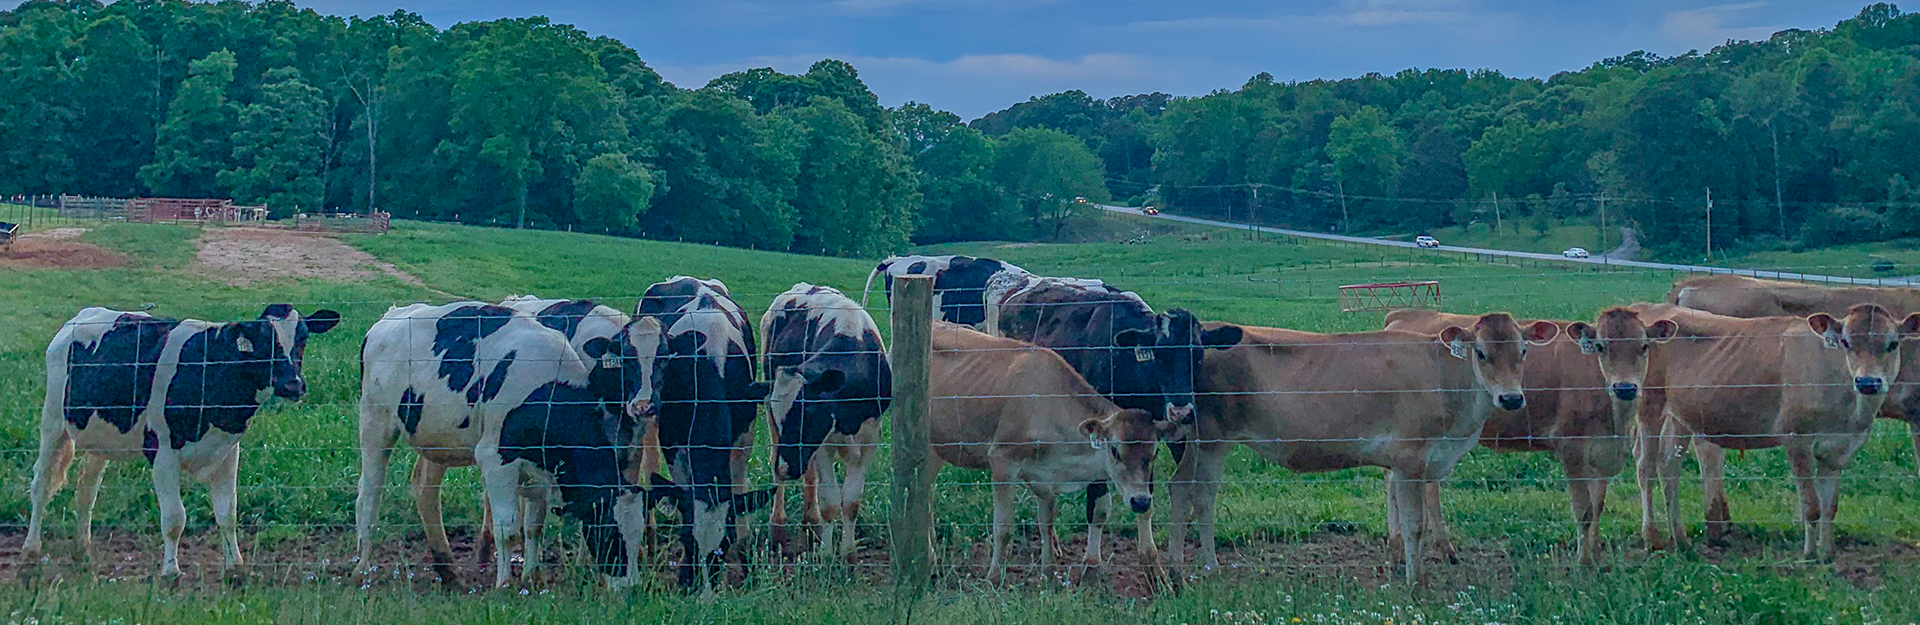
1869,385
1141,503
292,389
1625,391
1513,401
1182,414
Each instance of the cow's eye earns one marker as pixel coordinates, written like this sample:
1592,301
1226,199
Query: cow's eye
1480,354
1599,347
1644,347
1893,347
1846,344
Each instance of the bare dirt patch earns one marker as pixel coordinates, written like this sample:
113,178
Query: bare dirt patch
56,249
243,256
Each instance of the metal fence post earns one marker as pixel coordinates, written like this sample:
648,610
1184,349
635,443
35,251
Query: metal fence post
910,542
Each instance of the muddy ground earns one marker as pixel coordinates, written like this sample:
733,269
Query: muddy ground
59,249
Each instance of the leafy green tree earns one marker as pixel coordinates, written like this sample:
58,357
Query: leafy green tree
278,151
856,194
1365,153
1048,172
194,144
115,97
36,117
612,192
727,174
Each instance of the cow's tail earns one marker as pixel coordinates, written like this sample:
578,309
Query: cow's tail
867,290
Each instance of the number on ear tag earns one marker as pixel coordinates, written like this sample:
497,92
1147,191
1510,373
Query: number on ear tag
243,344
1142,354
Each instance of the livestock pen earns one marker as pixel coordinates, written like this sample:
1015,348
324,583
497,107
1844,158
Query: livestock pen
1292,545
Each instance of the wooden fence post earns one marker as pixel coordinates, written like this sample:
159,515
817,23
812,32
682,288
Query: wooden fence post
911,532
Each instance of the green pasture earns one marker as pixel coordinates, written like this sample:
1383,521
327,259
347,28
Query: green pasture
1508,511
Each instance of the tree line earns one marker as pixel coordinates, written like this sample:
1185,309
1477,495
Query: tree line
1803,138
1806,138
518,122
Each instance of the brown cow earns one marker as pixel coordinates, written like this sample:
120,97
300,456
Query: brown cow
1019,411
1579,407
1411,403
1812,385
1740,296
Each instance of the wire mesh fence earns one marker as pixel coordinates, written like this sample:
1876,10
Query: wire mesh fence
1300,497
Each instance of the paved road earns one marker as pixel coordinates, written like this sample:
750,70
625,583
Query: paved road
1761,273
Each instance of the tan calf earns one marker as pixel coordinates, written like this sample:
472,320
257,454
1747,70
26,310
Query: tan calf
1811,385
1019,411
1579,406
1408,402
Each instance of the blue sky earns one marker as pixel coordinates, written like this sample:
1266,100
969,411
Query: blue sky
976,56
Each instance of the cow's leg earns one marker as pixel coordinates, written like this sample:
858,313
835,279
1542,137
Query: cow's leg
1800,458
934,464
1713,483
826,503
86,491
1207,490
650,461
173,513
1826,483
1048,501
1585,512
223,491
777,511
1647,454
1674,441
533,518
1396,540
503,496
1409,494
1099,505
1440,540
1179,509
1002,519
426,480
1913,431
49,476
377,436
854,458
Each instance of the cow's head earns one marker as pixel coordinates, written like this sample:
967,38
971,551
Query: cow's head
1903,394
276,344
1871,338
1168,356
1621,342
1127,441
623,368
712,511
1497,349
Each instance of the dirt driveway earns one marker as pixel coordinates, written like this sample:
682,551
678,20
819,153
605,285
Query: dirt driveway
244,256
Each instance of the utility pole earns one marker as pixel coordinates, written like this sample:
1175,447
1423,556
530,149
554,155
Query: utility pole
1603,222
1709,224
1344,222
1496,212
1253,210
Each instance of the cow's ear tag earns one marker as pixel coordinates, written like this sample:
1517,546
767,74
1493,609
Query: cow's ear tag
1143,354
243,344
1458,348
610,360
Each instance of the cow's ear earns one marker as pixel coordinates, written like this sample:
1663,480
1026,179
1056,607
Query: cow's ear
1095,431
1222,337
1133,338
1911,326
1585,336
1827,327
750,501
321,321
596,347
1458,341
759,390
1665,329
1541,332
827,381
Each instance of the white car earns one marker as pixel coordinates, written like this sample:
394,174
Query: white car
1426,241
1576,252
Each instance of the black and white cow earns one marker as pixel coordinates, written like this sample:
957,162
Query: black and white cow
961,284
831,381
598,332
705,401
472,383
121,385
1136,357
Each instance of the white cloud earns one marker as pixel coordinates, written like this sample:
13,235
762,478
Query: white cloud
1706,27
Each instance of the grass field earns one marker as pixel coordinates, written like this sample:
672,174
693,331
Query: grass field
1303,548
